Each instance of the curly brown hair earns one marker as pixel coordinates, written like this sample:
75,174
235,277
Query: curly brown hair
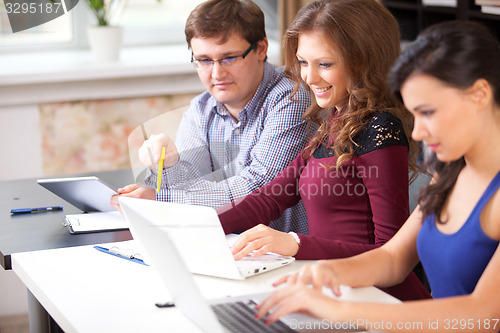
367,38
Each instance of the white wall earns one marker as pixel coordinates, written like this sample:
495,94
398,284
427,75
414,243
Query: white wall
21,142
13,296
21,158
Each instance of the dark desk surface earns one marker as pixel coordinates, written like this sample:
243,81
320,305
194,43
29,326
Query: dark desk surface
40,231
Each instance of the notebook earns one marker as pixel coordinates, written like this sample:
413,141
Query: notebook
232,314
198,235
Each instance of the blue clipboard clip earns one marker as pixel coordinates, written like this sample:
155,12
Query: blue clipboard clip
122,253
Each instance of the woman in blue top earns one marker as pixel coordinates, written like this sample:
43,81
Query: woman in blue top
449,79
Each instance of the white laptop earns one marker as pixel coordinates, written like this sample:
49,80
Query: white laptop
198,235
231,314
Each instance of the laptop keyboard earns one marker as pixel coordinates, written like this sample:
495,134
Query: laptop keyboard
240,317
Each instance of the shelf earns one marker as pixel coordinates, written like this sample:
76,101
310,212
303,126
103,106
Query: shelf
433,17
413,16
478,15
409,5
440,10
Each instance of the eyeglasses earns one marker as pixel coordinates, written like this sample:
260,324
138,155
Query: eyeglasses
207,64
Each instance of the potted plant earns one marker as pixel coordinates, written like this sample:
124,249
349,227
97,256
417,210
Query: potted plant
105,38
106,11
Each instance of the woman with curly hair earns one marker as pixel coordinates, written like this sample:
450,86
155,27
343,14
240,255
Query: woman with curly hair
353,175
449,79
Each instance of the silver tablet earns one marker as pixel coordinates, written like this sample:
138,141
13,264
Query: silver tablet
89,194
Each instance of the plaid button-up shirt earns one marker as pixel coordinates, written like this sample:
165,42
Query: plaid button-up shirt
222,159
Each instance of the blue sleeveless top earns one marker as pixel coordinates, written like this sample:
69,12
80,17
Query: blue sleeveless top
455,262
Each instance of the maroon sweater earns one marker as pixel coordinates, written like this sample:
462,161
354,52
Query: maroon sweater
351,210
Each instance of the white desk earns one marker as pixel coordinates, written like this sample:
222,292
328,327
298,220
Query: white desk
85,290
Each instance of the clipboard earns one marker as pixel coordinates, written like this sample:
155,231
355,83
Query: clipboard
95,222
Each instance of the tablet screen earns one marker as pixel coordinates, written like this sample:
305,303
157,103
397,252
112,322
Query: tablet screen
90,194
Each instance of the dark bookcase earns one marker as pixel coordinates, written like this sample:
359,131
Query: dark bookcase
413,16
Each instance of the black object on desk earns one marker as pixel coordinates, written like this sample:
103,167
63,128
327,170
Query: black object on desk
31,232
165,305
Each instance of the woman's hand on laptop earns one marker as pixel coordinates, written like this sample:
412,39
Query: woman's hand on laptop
323,273
133,191
261,239
298,297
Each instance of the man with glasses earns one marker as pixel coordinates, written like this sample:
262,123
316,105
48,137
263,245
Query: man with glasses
242,131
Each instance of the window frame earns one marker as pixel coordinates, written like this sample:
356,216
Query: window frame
132,36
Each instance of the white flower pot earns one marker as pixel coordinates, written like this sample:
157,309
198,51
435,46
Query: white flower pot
105,42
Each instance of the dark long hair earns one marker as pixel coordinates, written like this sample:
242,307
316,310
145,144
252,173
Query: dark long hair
458,54
368,39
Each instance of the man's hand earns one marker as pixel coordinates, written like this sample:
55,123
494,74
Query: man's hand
150,151
132,191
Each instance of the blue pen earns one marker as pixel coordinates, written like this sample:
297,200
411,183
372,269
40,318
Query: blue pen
120,253
35,210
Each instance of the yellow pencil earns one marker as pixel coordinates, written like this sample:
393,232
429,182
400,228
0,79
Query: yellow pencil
160,170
